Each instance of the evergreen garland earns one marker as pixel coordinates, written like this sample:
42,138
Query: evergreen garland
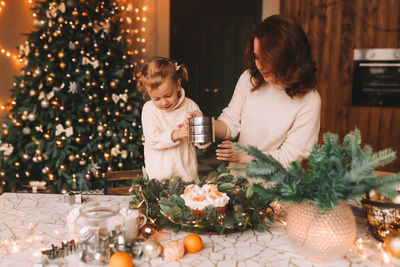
336,172
161,202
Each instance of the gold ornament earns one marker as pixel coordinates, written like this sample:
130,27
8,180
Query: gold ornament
114,83
77,140
149,229
61,54
51,176
62,65
25,157
44,103
392,244
32,92
100,146
47,136
120,165
88,176
71,157
49,80
59,143
90,120
63,167
81,120
68,123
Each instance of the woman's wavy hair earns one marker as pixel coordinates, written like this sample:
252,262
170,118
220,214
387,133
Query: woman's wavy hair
159,69
286,50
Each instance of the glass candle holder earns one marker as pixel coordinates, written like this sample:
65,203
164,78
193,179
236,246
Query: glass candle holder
321,236
98,228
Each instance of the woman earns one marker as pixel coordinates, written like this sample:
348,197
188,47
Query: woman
274,106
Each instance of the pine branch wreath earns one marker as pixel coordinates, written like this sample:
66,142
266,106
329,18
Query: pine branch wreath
161,202
336,172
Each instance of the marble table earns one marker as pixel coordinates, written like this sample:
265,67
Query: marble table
31,222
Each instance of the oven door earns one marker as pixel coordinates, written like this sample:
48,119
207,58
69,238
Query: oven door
376,83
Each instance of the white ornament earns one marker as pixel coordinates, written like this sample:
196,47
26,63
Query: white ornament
94,63
68,131
73,88
116,97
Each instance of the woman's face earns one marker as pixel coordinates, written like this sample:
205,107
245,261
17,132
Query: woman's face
166,96
263,68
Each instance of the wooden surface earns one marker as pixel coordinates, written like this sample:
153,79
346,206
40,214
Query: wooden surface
335,29
114,178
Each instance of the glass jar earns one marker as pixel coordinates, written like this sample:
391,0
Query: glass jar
98,227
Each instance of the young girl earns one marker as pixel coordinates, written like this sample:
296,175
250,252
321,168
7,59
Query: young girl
167,151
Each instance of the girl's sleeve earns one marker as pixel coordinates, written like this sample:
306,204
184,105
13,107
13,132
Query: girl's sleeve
153,135
231,115
303,134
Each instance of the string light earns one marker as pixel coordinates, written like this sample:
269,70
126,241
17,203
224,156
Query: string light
3,51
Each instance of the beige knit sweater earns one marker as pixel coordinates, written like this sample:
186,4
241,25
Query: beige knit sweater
284,127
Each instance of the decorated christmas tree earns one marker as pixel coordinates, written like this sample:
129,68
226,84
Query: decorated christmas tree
75,111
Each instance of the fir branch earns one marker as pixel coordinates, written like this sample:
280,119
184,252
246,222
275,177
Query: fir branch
336,172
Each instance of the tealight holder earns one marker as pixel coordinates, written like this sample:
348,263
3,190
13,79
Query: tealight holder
201,129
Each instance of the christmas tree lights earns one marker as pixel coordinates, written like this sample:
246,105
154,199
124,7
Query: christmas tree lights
75,112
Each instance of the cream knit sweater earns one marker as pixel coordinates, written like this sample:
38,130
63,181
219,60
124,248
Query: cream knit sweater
284,127
163,157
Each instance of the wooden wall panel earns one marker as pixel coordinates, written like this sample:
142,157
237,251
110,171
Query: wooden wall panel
335,29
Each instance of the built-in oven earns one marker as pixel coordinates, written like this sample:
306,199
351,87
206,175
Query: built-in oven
376,77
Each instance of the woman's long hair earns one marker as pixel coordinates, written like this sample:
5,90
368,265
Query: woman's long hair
286,51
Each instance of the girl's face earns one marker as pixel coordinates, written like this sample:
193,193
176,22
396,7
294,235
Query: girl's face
166,96
263,68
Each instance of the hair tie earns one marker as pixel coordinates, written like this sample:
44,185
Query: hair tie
177,67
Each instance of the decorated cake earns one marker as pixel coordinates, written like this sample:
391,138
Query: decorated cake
198,198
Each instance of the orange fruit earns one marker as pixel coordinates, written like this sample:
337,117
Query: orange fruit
121,259
192,243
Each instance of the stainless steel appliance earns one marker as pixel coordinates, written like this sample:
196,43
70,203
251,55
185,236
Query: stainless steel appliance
376,77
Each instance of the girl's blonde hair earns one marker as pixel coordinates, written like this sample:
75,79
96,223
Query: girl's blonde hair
157,70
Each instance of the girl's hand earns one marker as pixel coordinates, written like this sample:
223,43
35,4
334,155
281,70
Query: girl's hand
228,154
194,113
180,133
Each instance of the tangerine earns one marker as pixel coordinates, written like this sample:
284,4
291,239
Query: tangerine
121,259
192,243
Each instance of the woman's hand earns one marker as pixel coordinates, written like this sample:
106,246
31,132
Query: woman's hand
227,153
194,113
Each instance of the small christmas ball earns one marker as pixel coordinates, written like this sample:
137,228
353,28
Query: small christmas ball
82,162
47,136
51,176
17,164
392,244
68,123
101,72
32,92
148,230
100,146
86,109
124,140
31,117
81,120
152,248
71,157
128,107
45,170
174,250
60,54
108,133
25,157
49,80
62,65
88,176
59,143
44,103
77,139
26,130
120,165
101,128
114,83
63,167
90,120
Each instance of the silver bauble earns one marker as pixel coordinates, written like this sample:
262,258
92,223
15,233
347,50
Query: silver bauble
86,109
26,131
31,117
152,248
44,103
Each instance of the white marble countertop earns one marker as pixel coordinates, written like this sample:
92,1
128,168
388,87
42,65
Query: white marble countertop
31,222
